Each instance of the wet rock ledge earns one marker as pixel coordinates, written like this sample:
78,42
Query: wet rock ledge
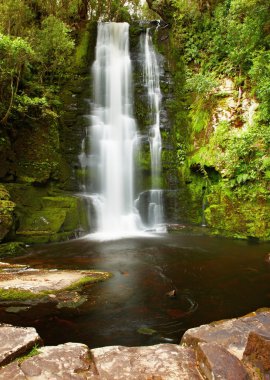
22,285
233,349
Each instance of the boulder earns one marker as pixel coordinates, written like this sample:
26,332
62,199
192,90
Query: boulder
66,361
232,334
6,212
214,353
257,352
160,362
16,341
215,362
43,214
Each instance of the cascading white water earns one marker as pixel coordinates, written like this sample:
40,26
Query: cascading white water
113,135
151,79
111,142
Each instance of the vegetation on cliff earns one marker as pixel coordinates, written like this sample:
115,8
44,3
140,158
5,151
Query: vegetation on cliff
218,52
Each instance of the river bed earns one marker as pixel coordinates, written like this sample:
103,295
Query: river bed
214,278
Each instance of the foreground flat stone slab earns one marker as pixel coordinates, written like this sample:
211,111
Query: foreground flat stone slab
64,362
159,362
75,361
232,334
215,352
15,341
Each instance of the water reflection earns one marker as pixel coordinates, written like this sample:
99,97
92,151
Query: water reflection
214,279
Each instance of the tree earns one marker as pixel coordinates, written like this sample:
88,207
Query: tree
15,17
54,47
15,57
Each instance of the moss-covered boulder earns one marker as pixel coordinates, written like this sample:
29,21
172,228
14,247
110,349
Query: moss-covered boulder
57,220
6,212
238,215
44,214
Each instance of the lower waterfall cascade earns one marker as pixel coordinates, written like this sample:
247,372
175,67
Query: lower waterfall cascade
112,140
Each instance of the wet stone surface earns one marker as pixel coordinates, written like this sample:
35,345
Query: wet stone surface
215,362
67,361
16,341
162,361
211,354
231,334
257,352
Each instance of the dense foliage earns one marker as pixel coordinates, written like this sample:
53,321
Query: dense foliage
214,41
218,52
37,40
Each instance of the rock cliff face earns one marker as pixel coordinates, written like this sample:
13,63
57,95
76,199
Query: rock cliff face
220,145
231,349
204,182
39,163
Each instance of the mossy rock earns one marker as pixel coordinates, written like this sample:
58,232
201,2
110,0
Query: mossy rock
4,194
236,216
26,195
6,212
59,202
48,238
44,222
12,249
37,150
44,214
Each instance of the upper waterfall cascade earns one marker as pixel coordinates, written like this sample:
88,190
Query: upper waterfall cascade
112,141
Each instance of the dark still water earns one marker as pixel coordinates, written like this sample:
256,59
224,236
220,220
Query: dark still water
215,278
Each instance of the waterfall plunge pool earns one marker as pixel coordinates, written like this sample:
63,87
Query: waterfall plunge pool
215,278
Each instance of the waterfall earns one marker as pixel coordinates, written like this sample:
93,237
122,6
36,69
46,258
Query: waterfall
112,140
112,135
151,79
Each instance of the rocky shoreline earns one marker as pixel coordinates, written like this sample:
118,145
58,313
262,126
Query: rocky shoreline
232,349
22,287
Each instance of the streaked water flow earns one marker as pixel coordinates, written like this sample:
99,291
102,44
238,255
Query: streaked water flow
151,79
113,137
112,141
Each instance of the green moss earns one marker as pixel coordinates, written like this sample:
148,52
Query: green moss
38,153
95,277
6,212
12,249
42,222
81,53
4,194
24,295
73,303
62,202
44,214
146,331
34,351
200,115
244,214
19,295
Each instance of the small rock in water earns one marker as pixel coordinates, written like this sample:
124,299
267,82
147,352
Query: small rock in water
16,309
171,294
146,331
267,258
